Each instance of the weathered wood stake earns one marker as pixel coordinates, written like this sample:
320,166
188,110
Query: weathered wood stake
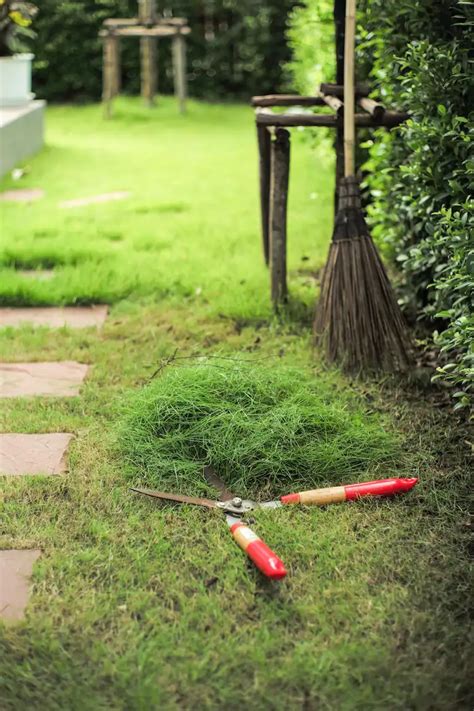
116,67
264,145
147,15
179,70
107,74
148,71
280,168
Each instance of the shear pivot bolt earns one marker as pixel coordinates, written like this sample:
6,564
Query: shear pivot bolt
237,502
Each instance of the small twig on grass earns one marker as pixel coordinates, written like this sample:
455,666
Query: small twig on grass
164,363
173,358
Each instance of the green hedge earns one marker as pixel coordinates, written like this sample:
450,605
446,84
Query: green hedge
416,55
236,47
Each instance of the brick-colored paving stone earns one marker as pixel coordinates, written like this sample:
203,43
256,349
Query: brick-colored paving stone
50,379
55,317
94,199
16,568
22,195
23,454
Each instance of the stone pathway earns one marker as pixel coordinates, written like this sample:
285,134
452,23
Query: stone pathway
27,454
94,200
60,379
22,195
16,567
36,454
55,317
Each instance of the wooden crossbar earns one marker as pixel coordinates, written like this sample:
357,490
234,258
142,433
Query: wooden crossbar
389,119
143,31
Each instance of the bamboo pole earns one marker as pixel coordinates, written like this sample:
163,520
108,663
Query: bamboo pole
264,150
179,70
349,103
339,25
280,166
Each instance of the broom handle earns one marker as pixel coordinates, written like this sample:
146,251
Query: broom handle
349,121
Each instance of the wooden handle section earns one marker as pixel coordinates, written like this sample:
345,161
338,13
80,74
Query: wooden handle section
349,111
316,497
259,553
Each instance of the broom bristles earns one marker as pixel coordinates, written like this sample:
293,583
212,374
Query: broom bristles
358,319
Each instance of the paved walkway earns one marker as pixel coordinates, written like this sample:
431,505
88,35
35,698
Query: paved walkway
36,454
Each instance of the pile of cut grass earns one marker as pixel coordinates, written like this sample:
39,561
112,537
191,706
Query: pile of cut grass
262,428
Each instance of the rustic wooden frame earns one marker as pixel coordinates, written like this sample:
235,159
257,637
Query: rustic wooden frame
274,159
148,28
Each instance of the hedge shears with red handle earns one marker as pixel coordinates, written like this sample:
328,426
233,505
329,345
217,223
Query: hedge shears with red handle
235,508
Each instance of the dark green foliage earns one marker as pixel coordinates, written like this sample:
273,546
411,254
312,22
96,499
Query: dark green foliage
311,38
420,177
261,428
416,55
68,55
236,47
16,17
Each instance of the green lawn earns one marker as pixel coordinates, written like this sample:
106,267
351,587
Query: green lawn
140,607
190,224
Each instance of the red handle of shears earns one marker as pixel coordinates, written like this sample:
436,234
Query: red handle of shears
259,553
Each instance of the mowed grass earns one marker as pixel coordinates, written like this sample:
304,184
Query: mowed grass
138,606
191,222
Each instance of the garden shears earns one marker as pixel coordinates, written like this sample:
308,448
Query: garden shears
235,508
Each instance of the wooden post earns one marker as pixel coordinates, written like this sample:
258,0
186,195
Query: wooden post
147,11
148,69
148,54
107,76
339,21
264,145
116,67
179,70
280,168
349,91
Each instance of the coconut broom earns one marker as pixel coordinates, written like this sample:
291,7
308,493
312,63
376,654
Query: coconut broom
358,320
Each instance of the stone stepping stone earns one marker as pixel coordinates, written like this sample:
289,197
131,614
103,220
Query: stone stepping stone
16,567
22,195
38,274
55,317
28,454
94,200
52,379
